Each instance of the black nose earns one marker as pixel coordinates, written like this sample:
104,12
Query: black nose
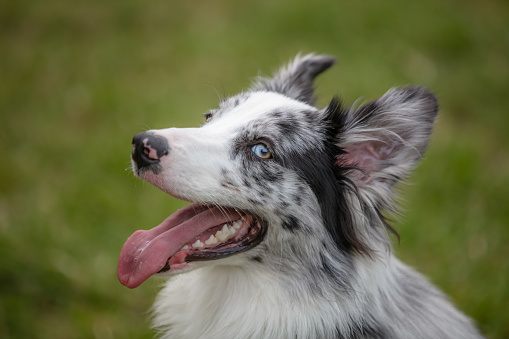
149,148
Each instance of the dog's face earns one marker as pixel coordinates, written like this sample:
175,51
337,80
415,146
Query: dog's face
234,159
268,173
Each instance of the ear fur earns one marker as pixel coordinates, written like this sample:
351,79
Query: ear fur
384,139
296,79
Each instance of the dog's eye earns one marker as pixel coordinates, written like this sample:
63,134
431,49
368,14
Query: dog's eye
261,151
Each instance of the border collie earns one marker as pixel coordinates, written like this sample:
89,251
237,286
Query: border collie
287,236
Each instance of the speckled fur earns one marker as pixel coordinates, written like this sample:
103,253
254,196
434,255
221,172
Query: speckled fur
325,268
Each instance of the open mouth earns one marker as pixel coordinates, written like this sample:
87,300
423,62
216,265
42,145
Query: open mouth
193,233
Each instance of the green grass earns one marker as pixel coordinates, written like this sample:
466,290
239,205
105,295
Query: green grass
79,78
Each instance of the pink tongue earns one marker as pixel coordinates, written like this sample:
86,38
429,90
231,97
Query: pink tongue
146,252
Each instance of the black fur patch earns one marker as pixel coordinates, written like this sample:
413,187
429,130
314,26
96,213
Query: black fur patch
290,223
317,166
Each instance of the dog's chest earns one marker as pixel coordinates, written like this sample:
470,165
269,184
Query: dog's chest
218,303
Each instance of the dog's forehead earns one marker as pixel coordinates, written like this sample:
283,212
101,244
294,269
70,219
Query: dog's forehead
247,107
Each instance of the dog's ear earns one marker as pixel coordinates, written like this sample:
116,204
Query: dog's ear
296,79
383,140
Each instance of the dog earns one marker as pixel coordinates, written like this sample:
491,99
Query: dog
286,236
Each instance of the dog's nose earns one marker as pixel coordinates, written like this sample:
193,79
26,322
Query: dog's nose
149,148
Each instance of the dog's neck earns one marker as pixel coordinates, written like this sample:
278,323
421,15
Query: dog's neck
227,302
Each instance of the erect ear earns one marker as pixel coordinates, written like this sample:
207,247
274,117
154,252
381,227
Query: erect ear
384,139
296,79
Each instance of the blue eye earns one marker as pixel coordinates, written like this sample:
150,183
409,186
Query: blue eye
261,151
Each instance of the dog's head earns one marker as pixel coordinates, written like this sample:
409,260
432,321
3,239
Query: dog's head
275,179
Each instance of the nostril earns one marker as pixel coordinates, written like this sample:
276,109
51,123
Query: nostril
150,152
148,148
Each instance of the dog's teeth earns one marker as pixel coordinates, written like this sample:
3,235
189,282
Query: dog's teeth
197,244
184,248
221,236
212,240
225,229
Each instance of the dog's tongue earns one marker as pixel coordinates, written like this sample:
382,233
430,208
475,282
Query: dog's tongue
146,252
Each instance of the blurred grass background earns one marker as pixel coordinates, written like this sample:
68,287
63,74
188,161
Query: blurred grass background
79,78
